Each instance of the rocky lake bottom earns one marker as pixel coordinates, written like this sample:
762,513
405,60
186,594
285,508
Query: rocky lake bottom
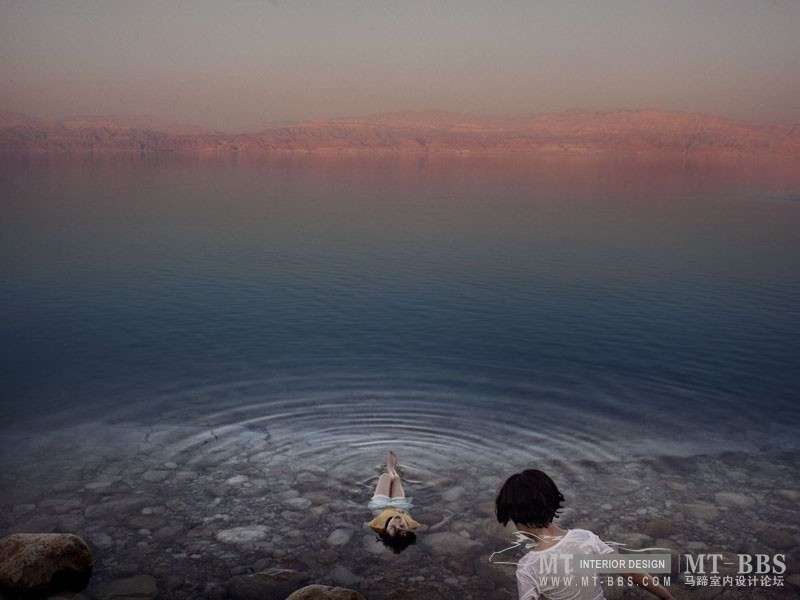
243,521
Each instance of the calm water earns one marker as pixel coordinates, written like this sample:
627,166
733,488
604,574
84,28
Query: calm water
456,309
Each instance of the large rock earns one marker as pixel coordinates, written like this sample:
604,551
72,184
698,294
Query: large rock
44,562
324,592
270,584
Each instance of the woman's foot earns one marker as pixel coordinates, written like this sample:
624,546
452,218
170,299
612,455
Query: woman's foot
391,464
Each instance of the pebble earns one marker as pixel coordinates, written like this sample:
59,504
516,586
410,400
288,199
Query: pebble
22,509
339,537
146,521
98,485
780,539
658,528
343,576
306,477
102,540
790,495
700,510
734,500
139,586
156,476
373,545
168,533
453,494
633,541
298,503
242,535
623,485
448,543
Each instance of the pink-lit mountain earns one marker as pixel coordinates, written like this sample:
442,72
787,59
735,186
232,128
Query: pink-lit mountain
640,132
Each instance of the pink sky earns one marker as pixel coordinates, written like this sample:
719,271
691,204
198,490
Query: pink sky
238,65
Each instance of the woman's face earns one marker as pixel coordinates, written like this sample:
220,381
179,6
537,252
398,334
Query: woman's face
397,526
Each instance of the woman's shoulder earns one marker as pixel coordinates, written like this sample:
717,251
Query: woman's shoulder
580,534
588,540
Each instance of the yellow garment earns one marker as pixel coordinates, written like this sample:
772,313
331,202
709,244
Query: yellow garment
378,524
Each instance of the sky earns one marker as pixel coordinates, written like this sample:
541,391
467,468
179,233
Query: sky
239,65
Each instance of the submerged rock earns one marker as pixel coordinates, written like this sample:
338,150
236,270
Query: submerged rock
242,535
44,562
448,543
156,475
633,540
298,503
699,510
408,593
339,537
271,584
658,528
343,576
140,586
324,592
791,495
146,521
735,500
778,539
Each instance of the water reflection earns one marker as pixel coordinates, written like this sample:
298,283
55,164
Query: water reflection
482,307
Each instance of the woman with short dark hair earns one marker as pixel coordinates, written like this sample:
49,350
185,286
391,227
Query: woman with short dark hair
531,500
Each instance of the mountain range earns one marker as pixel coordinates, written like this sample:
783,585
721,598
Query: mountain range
630,132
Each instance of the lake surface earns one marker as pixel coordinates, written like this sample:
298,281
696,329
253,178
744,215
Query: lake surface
458,307
471,314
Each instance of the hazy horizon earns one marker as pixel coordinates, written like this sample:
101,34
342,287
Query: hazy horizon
241,65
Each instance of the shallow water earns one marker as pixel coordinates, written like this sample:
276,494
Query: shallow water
289,320
212,525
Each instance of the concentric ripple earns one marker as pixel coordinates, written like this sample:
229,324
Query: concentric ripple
348,423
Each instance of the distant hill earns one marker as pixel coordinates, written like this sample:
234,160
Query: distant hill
638,132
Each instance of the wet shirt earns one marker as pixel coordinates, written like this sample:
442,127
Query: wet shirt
549,573
379,522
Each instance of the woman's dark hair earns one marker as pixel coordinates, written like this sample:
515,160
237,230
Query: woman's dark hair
529,498
397,543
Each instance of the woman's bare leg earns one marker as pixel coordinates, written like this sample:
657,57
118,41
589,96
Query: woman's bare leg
397,490
384,486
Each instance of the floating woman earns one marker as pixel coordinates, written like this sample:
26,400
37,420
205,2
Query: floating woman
392,522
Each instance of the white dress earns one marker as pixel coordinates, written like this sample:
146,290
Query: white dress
549,573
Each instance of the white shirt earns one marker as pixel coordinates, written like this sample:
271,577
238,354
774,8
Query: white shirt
549,573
